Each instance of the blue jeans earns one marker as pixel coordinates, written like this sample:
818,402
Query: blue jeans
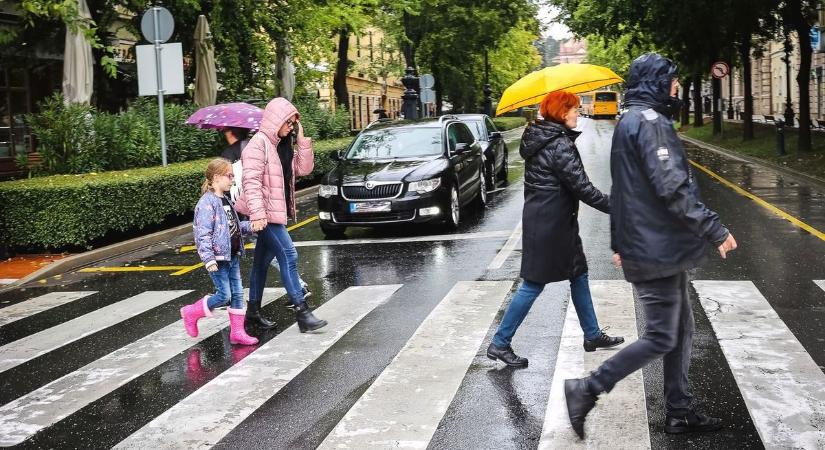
274,242
228,287
527,294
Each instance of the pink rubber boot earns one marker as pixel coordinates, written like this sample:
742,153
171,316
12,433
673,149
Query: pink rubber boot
192,313
237,333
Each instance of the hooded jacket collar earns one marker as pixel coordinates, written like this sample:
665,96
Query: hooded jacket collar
649,82
277,111
540,132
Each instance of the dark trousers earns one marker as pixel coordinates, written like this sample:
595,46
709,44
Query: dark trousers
668,335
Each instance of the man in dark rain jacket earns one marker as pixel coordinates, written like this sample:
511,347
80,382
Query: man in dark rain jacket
659,230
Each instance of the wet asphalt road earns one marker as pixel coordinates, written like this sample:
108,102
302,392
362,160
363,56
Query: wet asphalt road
495,407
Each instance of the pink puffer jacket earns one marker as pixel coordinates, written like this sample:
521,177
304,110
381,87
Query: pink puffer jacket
263,195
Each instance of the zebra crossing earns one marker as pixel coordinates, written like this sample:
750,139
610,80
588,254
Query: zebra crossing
783,388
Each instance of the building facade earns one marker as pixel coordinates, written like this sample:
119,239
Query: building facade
571,51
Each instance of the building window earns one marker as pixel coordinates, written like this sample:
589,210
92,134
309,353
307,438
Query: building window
372,58
358,45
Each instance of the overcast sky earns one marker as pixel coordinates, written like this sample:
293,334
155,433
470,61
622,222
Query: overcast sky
547,15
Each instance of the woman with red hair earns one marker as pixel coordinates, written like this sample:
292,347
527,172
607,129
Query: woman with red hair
554,183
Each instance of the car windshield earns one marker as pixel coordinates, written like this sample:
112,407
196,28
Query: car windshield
477,129
396,143
606,97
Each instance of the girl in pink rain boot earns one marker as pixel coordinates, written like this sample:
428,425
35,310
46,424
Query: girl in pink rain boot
218,231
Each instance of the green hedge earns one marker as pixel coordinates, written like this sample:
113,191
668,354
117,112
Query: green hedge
73,210
509,123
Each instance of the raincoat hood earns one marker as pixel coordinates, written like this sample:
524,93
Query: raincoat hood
277,111
541,132
649,82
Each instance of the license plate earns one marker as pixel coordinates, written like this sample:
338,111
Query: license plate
369,207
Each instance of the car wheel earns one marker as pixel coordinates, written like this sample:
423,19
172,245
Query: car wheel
333,232
453,210
502,174
481,197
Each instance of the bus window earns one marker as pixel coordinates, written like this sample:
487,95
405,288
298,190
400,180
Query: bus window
606,97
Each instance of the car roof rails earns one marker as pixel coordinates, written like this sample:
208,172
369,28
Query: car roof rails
384,120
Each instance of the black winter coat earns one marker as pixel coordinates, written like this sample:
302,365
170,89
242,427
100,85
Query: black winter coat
554,182
658,223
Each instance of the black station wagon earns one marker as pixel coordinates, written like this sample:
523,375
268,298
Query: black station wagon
403,172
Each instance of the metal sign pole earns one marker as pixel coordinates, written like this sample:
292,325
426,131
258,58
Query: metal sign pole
159,70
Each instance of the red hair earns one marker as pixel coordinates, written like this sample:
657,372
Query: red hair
556,104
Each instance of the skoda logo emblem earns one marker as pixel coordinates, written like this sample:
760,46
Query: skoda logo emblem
369,185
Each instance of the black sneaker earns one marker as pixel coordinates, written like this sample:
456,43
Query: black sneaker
603,341
691,422
506,355
579,402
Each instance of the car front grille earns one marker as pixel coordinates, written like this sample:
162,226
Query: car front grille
379,217
376,193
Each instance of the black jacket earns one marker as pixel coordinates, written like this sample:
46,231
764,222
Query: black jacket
658,223
554,182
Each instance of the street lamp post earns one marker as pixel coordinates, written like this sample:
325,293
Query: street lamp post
410,106
487,107
789,114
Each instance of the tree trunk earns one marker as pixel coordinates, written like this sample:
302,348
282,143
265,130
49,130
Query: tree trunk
408,46
339,82
803,79
697,100
747,79
716,84
686,101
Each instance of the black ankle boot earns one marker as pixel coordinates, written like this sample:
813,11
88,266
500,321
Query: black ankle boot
306,320
253,315
603,341
506,355
579,402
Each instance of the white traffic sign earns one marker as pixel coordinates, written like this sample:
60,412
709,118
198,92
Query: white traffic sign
720,69
427,80
427,95
172,69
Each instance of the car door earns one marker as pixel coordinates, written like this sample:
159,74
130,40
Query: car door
467,164
496,142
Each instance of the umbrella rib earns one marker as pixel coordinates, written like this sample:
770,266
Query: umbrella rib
566,87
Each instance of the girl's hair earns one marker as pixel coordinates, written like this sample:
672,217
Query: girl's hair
217,166
556,104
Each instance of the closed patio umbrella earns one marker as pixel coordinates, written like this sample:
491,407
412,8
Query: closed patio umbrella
206,77
78,60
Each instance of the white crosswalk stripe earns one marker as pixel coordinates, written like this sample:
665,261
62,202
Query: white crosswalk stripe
27,415
39,304
782,386
403,407
18,352
619,420
209,414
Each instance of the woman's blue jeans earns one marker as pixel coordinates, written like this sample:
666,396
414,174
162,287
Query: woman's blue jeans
274,242
228,287
527,294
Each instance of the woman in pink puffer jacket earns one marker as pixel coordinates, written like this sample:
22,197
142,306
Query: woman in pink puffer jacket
271,162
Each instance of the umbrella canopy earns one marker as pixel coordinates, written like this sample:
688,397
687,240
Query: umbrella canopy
240,115
206,77
78,60
573,78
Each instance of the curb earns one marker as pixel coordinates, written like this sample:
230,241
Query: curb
92,256
820,183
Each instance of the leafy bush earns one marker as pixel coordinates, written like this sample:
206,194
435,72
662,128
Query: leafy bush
74,210
508,123
66,137
320,122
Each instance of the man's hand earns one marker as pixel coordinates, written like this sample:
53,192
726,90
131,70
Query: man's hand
727,246
617,260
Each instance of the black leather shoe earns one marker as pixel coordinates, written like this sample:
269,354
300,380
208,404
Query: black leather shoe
506,356
579,402
253,315
603,341
306,320
690,423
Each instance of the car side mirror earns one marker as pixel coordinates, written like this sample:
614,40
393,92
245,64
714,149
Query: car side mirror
461,147
337,155
495,135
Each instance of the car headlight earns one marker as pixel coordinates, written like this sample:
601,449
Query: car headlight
425,186
327,191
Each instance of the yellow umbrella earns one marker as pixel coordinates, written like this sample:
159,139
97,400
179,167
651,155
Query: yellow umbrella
573,78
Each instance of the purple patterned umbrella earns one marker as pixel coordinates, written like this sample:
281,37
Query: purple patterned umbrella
241,115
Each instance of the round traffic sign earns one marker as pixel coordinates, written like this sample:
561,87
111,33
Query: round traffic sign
720,69
427,80
165,24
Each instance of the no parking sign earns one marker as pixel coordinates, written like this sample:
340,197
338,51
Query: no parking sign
719,69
